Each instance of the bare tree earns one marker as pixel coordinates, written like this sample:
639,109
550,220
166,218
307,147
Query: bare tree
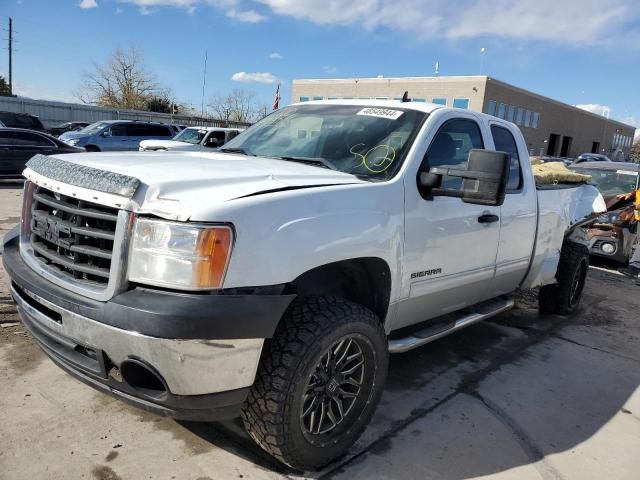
238,106
122,82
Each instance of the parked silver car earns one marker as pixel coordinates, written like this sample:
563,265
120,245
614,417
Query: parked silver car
116,135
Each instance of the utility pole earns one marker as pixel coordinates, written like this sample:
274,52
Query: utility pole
204,82
10,56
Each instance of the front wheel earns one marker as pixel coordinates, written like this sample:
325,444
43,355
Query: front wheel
319,381
564,297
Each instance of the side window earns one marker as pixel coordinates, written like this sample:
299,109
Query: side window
232,134
26,139
504,142
120,130
451,146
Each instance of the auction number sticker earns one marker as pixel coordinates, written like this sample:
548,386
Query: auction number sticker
381,113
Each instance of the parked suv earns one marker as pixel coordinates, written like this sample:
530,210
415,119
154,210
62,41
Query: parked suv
21,120
116,135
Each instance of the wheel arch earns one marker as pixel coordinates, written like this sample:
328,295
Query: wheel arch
364,280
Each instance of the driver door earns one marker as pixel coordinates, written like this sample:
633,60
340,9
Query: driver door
450,246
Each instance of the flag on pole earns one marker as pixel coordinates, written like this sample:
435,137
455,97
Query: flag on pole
276,100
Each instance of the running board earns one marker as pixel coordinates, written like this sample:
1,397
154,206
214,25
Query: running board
469,316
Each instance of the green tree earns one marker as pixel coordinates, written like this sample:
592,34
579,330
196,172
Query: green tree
5,91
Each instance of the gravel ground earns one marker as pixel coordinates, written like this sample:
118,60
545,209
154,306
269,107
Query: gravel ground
522,396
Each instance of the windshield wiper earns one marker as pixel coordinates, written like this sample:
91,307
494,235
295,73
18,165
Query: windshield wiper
234,150
317,162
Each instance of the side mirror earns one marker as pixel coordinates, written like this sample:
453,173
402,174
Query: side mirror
483,183
106,133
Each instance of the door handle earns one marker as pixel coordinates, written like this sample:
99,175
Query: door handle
488,218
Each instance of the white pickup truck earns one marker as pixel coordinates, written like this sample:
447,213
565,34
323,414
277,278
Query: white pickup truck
191,139
273,278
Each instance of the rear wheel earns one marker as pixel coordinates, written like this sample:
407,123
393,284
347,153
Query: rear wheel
91,148
319,381
564,297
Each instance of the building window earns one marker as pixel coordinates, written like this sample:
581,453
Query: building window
419,99
332,98
534,120
491,109
364,98
461,103
382,98
502,111
439,101
520,116
512,114
527,119
347,98
304,99
318,98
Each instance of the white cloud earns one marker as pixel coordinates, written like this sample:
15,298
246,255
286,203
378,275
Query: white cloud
275,56
247,16
144,11
119,11
577,22
85,4
596,108
330,69
257,77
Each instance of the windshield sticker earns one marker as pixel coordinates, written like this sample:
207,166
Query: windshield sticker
626,172
381,113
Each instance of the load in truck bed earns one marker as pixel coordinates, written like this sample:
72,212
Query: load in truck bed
552,173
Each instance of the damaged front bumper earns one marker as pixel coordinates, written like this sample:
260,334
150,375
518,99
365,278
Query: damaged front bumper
192,357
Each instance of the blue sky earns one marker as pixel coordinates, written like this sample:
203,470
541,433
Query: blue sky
584,52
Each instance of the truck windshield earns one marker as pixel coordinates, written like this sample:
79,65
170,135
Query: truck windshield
191,135
612,182
369,142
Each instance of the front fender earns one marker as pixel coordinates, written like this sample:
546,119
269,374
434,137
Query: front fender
289,233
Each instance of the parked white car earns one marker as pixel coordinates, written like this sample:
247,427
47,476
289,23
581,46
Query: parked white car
192,139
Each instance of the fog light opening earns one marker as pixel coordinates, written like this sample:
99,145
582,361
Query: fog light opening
142,377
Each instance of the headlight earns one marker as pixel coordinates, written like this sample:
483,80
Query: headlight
73,141
179,255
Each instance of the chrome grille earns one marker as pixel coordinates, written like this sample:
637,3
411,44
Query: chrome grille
72,236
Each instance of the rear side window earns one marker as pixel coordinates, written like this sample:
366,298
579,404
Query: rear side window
147,130
26,139
504,142
451,146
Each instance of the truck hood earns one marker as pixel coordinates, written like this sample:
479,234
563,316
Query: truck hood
176,185
169,145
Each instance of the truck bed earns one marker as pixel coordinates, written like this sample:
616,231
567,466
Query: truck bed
561,208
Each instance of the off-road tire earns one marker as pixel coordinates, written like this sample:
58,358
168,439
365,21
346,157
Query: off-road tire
272,411
564,297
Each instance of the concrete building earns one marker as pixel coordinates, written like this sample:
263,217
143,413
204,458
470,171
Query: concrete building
549,127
